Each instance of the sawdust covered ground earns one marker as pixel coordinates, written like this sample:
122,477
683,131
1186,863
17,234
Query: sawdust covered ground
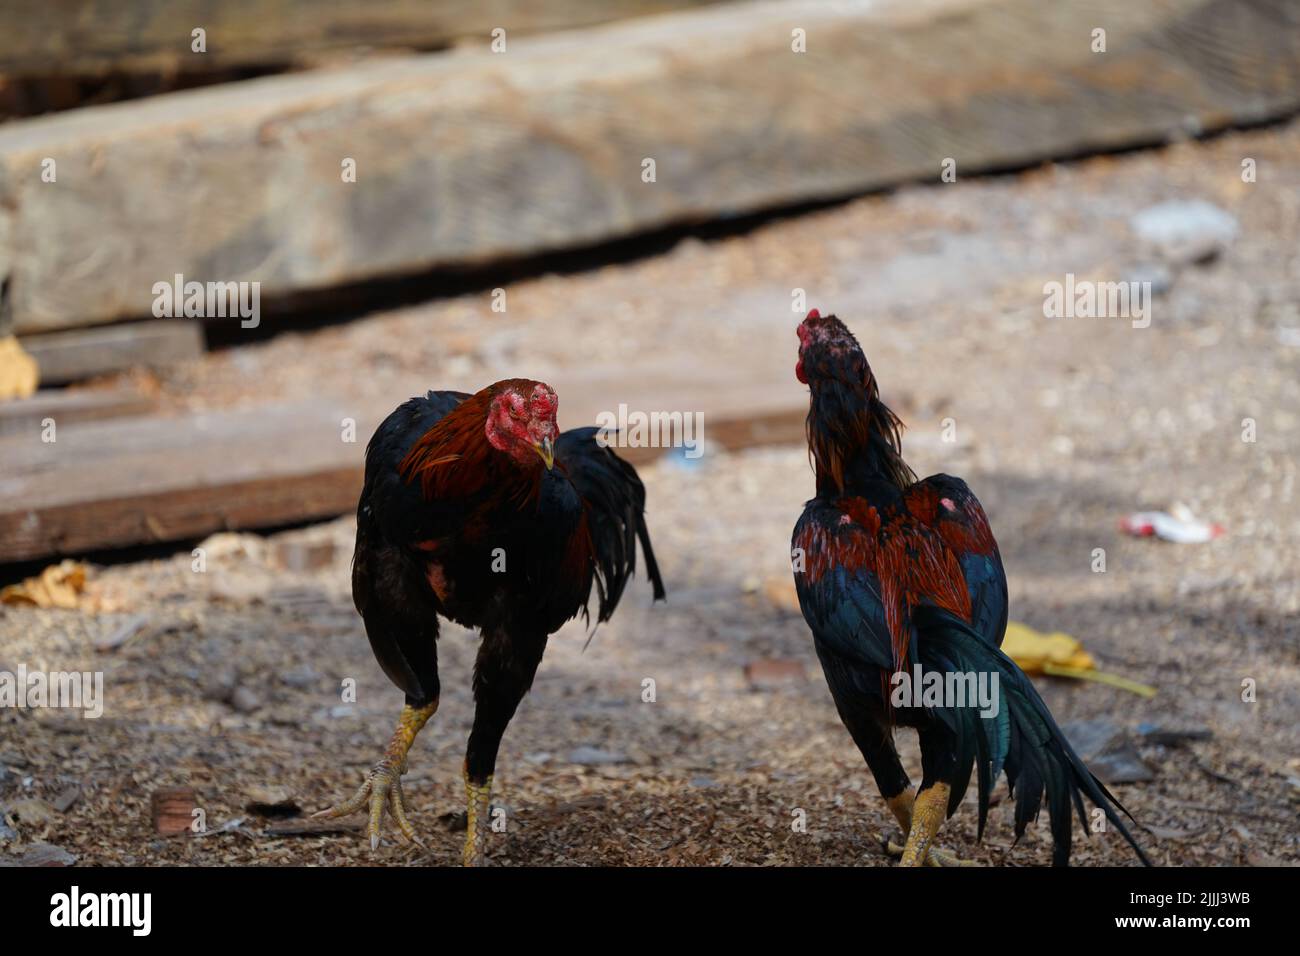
233,681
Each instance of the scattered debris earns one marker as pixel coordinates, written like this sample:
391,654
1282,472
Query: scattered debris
223,687
1178,525
1294,794
305,554
595,757
271,802
1108,751
244,700
1214,774
1060,655
230,826
66,798
455,821
218,684
127,630
311,827
593,801
29,812
239,590
172,810
41,854
301,677
767,674
59,585
233,546
1174,833
1185,231
1172,737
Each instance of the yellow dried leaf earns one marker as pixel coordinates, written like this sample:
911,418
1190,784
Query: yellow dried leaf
57,586
1032,650
19,374
1060,655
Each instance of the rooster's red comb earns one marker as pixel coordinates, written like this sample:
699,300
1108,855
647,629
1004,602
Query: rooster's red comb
813,314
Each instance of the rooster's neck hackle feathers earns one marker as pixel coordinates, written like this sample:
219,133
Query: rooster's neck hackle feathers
853,437
454,459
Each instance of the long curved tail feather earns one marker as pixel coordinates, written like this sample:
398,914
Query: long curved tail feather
1022,738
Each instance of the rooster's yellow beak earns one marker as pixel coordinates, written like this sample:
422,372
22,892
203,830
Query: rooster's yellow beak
546,451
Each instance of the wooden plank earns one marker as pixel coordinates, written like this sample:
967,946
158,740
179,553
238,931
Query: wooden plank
67,407
80,38
144,480
467,156
76,354
147,480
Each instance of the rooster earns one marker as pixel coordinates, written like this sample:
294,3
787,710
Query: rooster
894,574
475,508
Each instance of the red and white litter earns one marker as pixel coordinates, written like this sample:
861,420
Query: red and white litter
1178,525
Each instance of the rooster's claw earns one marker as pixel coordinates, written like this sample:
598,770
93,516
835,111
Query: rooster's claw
382,789
935,856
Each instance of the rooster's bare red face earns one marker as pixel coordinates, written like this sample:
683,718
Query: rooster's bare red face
521,422
826,347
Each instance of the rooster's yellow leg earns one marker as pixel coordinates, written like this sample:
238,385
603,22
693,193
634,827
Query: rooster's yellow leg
901,807
477,819
382,789
920,817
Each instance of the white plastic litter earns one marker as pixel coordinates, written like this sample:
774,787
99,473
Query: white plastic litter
1178,525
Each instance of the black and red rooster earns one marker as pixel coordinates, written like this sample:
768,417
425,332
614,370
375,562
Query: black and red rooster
893,573
477,509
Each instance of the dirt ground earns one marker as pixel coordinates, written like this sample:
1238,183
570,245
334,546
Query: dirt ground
1062,426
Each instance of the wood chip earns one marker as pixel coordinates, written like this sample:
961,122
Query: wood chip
124,632
42,854
31,812
271,802
309,827
766,674
172,810
66,798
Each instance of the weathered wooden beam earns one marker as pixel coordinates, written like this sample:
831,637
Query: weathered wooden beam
468,156
80,37
28,414
135,481
75,354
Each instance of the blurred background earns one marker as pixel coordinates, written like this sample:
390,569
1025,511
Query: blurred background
636,201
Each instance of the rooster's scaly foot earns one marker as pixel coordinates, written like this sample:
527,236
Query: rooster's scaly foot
935,856
382,789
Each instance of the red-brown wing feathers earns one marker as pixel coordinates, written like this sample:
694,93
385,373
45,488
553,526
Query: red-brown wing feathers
916,567
950,509
953,513
893,561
